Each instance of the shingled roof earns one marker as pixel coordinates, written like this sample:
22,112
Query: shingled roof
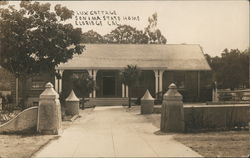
148,56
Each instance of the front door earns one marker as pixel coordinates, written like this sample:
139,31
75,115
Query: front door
108,86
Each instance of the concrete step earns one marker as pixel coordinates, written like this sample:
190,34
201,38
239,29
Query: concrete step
107,101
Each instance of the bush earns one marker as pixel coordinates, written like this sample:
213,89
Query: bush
7,102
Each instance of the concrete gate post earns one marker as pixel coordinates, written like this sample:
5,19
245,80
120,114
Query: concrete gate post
49,111
147,103
72,104
172,113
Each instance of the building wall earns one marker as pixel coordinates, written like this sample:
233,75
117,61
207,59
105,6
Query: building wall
30,88
186,81
7,83
34,86
187,84
146,81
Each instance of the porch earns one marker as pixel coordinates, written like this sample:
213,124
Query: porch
111,91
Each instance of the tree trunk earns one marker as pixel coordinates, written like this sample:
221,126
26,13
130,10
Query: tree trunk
17,93
23,100
129,97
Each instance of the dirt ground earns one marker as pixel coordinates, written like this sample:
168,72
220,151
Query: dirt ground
213,144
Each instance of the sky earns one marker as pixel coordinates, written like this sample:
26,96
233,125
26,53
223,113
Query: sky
215,25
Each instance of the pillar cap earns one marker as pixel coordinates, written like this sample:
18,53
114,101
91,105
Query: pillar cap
72,97
49,92
172,92
147,96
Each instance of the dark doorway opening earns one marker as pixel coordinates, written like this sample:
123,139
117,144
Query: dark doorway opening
108,86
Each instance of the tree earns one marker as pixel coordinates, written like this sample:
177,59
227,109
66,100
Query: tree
83,84
234,69
92,37
231,69
154,34
129,77
126,34
35,39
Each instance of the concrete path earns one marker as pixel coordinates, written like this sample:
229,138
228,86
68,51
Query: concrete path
114,132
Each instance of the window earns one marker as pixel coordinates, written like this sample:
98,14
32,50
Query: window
37,85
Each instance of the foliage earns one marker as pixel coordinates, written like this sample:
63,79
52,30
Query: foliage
92,37
83,84
125,34
7,102
129,76
34,39
154,34
231,70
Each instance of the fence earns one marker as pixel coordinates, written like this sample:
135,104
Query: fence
235,95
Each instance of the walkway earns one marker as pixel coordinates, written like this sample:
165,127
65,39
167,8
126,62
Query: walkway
114,132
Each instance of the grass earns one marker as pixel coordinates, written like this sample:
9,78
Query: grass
212,144
218,144
22,146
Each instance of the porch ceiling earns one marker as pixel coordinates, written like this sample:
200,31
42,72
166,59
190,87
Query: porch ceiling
150,56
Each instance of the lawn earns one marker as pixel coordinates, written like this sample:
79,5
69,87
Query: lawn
212,144
22,146
218,144
25,145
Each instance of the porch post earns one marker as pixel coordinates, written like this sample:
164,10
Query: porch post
156,81
160,80
199,82
126,91
91,75
94,78
123,90
56,84
60,81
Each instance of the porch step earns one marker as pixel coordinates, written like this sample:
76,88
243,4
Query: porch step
107,101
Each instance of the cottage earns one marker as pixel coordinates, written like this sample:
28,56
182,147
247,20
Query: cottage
183,64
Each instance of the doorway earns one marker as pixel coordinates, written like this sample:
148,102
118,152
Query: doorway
108,86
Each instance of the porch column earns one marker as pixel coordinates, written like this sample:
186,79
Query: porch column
160,79
126,91
91,75
60,81
56,85
156,81
198,86
94,78
123,90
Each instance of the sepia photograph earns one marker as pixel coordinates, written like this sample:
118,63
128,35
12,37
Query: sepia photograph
135,78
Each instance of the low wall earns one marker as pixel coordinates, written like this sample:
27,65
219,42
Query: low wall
24,121
214,116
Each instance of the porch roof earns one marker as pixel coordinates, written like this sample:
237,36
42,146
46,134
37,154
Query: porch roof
145,56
